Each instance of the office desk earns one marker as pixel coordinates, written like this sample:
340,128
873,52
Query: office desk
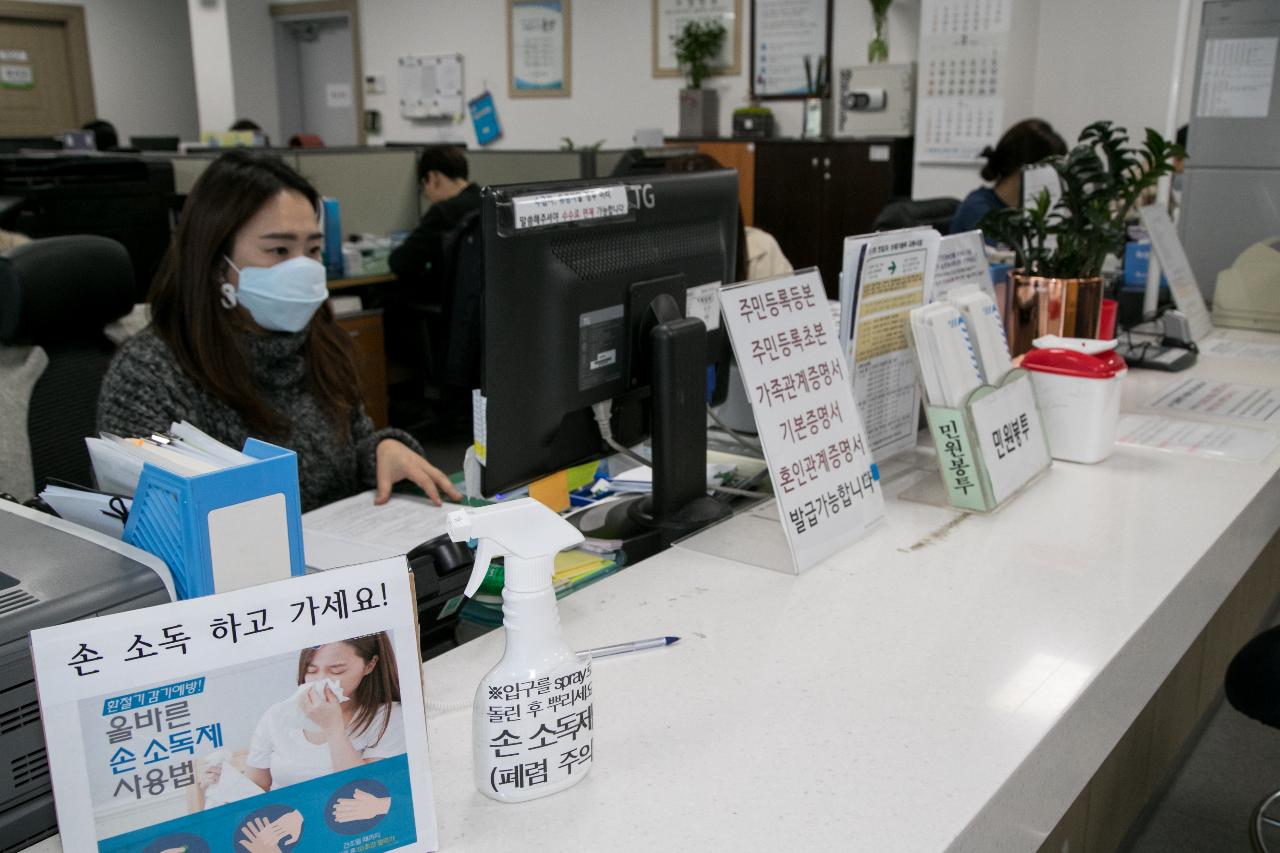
951,682
359,281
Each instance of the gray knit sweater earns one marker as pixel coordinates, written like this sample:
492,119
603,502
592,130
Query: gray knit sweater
145,390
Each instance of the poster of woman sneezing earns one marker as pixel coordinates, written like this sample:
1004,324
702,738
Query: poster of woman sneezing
286,717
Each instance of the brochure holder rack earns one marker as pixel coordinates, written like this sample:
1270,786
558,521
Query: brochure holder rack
972,458
225,529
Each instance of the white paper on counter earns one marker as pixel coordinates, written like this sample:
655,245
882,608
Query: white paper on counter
397,526
1235,400
1215,441
1249,350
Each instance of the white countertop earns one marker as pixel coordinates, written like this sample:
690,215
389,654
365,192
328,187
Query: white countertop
950,682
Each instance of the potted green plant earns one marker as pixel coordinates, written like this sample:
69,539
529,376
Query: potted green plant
1060,245
752,122
697,45
878,47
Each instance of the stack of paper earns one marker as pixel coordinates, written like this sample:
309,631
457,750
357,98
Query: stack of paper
948,365
117,465
639,480
184,450
575,569
986,331
100,511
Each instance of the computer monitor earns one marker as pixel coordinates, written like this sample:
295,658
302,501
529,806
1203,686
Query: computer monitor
79,140
15,144
585,296
155,143
124,198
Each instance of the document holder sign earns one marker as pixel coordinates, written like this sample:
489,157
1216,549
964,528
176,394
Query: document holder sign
788,351
285,716
1177,269
1009,435
989,448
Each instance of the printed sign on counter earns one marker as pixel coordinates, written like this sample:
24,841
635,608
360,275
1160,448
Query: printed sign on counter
1177,269
885,276
289,714
962,259
786,346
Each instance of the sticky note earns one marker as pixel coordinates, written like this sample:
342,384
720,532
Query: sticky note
552,491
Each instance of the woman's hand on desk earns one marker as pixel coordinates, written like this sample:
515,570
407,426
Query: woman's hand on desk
396,462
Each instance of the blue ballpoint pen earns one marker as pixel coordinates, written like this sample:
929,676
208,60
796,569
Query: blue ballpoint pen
624,648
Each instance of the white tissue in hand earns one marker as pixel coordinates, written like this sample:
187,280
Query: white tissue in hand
232,785
316,689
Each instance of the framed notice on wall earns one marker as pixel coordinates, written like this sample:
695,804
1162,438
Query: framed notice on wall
788,37
538,48
669,19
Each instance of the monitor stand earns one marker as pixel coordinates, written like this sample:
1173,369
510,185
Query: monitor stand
679,504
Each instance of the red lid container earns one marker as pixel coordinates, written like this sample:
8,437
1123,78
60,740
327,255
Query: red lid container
1068,362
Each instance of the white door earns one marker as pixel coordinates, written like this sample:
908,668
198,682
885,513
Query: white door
317,78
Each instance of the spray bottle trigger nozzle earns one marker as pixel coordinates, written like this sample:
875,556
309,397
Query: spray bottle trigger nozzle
485,553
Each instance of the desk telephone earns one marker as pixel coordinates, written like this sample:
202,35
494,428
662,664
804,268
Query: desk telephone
440,570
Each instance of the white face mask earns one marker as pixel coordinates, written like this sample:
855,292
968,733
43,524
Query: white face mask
283,297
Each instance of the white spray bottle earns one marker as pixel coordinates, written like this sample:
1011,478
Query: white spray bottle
532,722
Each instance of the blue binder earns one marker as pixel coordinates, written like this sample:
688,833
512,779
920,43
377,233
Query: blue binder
170,513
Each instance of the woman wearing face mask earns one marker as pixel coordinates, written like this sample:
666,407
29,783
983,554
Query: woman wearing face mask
242,342
322,730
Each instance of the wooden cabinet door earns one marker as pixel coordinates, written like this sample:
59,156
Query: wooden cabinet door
740,156
788,202
811,195
858,187
365,332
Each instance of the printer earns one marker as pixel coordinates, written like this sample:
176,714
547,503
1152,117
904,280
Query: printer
1247,295
51,572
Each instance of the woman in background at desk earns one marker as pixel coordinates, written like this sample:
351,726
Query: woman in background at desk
1027,142
242,342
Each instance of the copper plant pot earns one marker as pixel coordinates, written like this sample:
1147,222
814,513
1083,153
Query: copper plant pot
1039,305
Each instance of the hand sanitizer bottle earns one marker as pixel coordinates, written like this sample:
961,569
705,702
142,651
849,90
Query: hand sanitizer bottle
532,720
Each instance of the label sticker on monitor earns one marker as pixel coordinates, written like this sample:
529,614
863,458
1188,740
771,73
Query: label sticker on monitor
479,423
601,337
538,211
703,302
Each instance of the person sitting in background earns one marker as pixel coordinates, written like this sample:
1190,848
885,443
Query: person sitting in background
104,134
759,255
243,343
443,176
11,240
1025,144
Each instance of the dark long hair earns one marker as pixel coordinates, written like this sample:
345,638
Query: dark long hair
187,314
1026,143
379,688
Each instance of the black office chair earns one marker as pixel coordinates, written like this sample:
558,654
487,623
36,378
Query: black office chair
438,335
908,213
58,293
1253,688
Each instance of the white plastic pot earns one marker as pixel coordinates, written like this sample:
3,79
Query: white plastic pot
1078,394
